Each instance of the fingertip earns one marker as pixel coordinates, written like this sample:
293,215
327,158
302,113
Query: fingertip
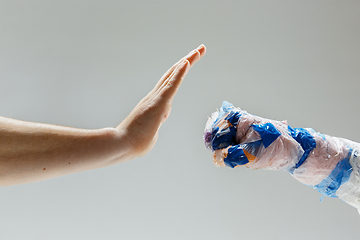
202,50
196,54
193,56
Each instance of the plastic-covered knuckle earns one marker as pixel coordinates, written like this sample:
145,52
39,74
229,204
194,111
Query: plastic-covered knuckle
220,130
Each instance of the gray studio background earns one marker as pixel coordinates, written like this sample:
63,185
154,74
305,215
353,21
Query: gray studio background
86,64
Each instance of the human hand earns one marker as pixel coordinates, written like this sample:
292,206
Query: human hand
31,152
142,125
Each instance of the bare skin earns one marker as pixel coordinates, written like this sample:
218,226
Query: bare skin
31,152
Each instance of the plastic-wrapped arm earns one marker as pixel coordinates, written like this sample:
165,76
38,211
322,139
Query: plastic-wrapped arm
329,164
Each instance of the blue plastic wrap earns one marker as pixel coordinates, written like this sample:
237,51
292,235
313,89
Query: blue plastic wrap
329,164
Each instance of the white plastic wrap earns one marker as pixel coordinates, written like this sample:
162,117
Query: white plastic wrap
329,164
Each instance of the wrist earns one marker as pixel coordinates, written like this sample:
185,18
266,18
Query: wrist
116,146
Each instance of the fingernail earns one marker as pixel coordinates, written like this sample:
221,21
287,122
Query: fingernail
201,46
190,53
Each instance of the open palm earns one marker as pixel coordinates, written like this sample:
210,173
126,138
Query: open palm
143,123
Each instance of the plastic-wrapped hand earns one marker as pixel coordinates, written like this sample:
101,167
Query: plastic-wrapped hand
328,164
143,123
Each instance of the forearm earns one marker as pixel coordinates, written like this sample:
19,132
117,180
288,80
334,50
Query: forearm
32,152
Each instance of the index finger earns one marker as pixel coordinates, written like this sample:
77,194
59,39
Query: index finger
192,57
170,82
196,54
